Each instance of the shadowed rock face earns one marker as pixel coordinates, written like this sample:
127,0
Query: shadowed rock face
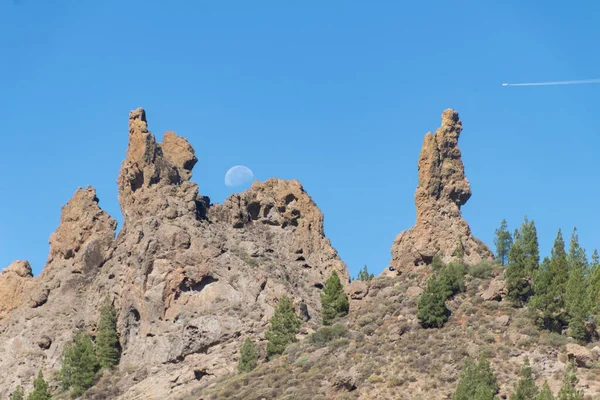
190,280
443,188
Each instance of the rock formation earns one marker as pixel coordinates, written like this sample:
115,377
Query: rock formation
13,285
442,189
190,280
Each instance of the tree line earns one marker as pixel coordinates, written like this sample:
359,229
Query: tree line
478,381
563,291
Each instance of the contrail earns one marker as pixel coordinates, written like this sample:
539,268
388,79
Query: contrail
597,80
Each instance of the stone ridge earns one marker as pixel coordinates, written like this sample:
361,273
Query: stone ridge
442,189
189,280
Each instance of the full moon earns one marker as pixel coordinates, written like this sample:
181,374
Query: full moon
238,175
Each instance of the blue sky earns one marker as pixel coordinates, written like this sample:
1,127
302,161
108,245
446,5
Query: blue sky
336,94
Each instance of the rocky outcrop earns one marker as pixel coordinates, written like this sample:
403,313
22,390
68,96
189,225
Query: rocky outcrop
13,285
582,356
442,189
84,238
189,280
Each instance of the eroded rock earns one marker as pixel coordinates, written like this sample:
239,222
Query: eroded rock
443,188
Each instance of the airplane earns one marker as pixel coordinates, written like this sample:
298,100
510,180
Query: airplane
505,84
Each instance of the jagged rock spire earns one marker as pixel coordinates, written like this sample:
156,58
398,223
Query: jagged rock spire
151,168
443,188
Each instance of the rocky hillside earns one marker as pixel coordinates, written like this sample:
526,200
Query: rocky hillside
189,279
381,351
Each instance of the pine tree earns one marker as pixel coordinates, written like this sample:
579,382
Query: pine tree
545,393
364,275
107,339
431,307
576,300
40,389
549,286
568,391
525,388
594,285
18,394
503,242
518,288
248,356
79,364
334,302
476,381
530,247
285,324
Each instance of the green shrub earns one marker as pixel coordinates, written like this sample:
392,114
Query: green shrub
40,389
326,334
432,311
18,394
481,270
476,381
248,356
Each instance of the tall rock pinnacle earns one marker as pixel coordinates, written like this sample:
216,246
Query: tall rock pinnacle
443,188
155,175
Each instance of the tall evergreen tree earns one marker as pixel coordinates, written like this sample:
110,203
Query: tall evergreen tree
107,339
595,261
594,286
18,394
549,285
285,324
334,302
476,381
523,259
79,364
517,285
40,389
503,242
248,356
526,388
364,275
545,393
530,247
576,299
569,391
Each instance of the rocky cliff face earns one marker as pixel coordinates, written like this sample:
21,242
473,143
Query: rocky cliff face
443,188
190,280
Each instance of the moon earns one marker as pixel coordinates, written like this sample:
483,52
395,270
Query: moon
238,176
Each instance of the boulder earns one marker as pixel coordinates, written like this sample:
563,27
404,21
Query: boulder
583,357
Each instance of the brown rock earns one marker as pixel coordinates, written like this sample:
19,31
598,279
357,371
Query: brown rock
495,290
14,281
45,342
583,357
357,290
83,240
443,188
346,379
503,320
